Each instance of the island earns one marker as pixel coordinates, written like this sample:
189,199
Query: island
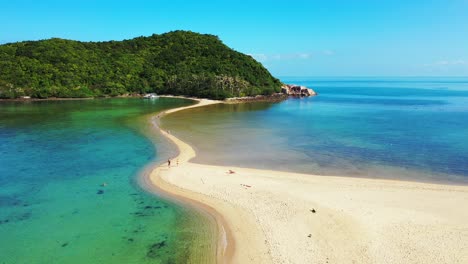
176,63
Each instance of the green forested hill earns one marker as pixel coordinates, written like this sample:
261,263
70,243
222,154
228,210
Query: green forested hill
179,62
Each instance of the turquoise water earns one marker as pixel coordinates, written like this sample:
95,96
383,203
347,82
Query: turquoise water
409,128
55,157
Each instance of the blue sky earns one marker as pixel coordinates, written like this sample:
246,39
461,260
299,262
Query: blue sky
291,38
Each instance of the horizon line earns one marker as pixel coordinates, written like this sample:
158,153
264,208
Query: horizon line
371,76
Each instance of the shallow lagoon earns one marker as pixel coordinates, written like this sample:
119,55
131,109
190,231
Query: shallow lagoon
404,128
55,157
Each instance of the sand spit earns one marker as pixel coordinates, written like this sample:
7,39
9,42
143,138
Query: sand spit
280,217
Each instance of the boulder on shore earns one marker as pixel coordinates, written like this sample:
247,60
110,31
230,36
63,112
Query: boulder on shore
297,90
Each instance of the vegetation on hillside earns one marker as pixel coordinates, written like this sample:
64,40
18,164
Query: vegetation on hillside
179,63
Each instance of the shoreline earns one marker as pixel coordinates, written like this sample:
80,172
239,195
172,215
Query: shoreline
225,245
353,219
275,97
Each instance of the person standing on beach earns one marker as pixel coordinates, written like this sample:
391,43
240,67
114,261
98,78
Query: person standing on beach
169,163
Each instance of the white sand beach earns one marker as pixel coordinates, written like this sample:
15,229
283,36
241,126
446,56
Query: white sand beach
281,217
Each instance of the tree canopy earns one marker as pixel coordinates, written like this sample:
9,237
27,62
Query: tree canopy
178,62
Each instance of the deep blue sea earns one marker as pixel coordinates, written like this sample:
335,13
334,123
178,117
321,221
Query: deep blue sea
404,128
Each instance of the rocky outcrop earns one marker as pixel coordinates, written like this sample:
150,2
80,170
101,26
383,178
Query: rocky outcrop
296,90
286,91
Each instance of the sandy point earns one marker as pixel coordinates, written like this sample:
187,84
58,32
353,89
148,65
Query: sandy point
282,217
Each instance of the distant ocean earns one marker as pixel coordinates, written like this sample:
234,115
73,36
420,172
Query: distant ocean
55,157
397,128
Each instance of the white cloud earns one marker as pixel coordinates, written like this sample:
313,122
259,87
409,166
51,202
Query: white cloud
262,57
259,57
272,57
304,55
328,52
458,62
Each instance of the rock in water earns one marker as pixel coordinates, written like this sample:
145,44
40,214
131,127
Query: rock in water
296,90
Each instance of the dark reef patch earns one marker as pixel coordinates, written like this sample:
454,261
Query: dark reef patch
17,217
24,216
155,248
9,201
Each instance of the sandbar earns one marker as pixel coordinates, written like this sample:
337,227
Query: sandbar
280,217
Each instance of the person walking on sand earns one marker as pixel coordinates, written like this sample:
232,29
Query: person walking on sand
177,162
169,163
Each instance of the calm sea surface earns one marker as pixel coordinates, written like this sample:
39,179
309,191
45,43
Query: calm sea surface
54,157
404,128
